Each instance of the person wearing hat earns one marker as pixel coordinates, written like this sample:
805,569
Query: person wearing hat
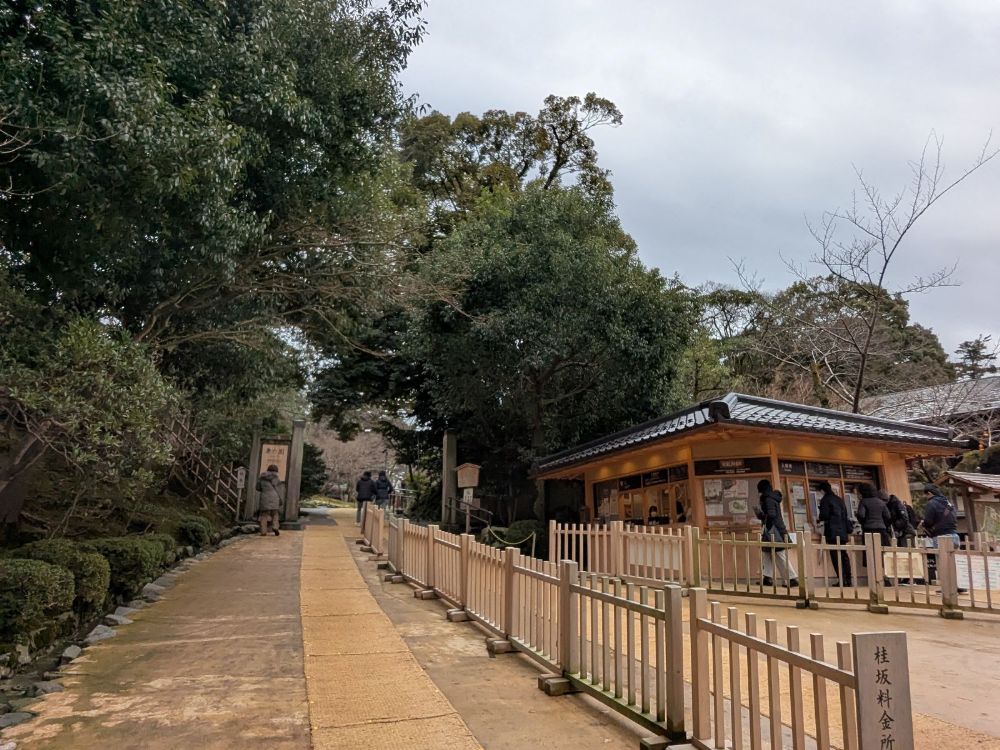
271,489
383,489
769,514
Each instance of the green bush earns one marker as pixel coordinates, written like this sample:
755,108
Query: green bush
195,530
519,532
167,543
30,592
91,572
134,562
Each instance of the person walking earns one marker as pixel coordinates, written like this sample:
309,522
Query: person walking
271,490
874,517
365,489
383,488
939,523
836,530
769,514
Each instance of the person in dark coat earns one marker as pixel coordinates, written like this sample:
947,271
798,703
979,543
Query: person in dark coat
271,489
939,523
383,488
904,527
365,489
774,530
874,517
836,530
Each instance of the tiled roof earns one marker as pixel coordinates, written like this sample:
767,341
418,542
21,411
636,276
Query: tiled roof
737,408
937,401
986,481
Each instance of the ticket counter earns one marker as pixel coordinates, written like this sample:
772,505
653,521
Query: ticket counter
702,465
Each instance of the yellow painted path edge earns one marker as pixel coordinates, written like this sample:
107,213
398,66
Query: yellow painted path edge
365,688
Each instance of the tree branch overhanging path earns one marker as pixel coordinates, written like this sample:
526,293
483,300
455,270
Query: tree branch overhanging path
858,247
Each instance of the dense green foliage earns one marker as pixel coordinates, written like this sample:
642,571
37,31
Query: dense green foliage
134,562
195,531
30,592
91,571
314,473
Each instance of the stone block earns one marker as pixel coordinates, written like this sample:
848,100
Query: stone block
382,566
115,620
125,611
46,687
458,615
152,592
659,743
425,594
14,718
98,634
496,646
555,684
397,578
952,614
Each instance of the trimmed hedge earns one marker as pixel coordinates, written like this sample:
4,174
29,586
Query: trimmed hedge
91,572
167,543
195,530
134,562
30,592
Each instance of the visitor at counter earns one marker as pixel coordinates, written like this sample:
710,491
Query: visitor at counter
836,530
874,517
939,523
770,516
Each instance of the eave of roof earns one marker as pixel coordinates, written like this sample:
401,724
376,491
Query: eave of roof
988,482
752,411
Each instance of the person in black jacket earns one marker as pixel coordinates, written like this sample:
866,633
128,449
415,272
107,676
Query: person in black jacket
939,523
874,517
836,530
366,492
769,514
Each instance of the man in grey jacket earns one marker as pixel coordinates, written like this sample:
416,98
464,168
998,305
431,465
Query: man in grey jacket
271,489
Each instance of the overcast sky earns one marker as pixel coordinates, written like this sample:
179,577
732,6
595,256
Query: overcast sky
742,119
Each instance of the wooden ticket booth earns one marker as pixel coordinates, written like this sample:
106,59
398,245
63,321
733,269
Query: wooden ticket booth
701,465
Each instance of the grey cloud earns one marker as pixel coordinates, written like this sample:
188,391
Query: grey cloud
742,118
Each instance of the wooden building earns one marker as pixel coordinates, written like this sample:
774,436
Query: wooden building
976,497
701,465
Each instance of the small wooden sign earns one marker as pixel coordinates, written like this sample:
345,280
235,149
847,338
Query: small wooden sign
901,565
885,715
275,453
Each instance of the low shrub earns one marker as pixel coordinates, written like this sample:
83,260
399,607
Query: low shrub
195,530
167,543
91,572
134,562
31,591
520,533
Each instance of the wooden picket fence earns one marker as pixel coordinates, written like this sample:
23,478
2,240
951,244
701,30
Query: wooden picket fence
623,643
946,579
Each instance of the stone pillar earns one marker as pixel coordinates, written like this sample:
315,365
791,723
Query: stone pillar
449,486
253,472
293,484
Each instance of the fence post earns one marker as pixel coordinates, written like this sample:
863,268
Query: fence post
694,554
568,575
617,561
876,592
700,716
553,542
947,573
805,579
402,546
509,556
465,542
675,662
431,531
882,674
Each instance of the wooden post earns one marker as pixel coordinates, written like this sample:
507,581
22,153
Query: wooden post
553,542
569,573
674,662
947,573
876,591
805,585
617,561
402,546
885,714
509,556
694,551
700,715
449,480
465,544
431,531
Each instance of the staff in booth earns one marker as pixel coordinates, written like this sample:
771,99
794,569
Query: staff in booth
769,514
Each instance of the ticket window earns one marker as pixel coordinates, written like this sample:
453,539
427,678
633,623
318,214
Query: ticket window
796,505
632,506
668,504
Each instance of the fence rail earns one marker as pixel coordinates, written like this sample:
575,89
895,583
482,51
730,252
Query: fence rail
623,642
861,571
